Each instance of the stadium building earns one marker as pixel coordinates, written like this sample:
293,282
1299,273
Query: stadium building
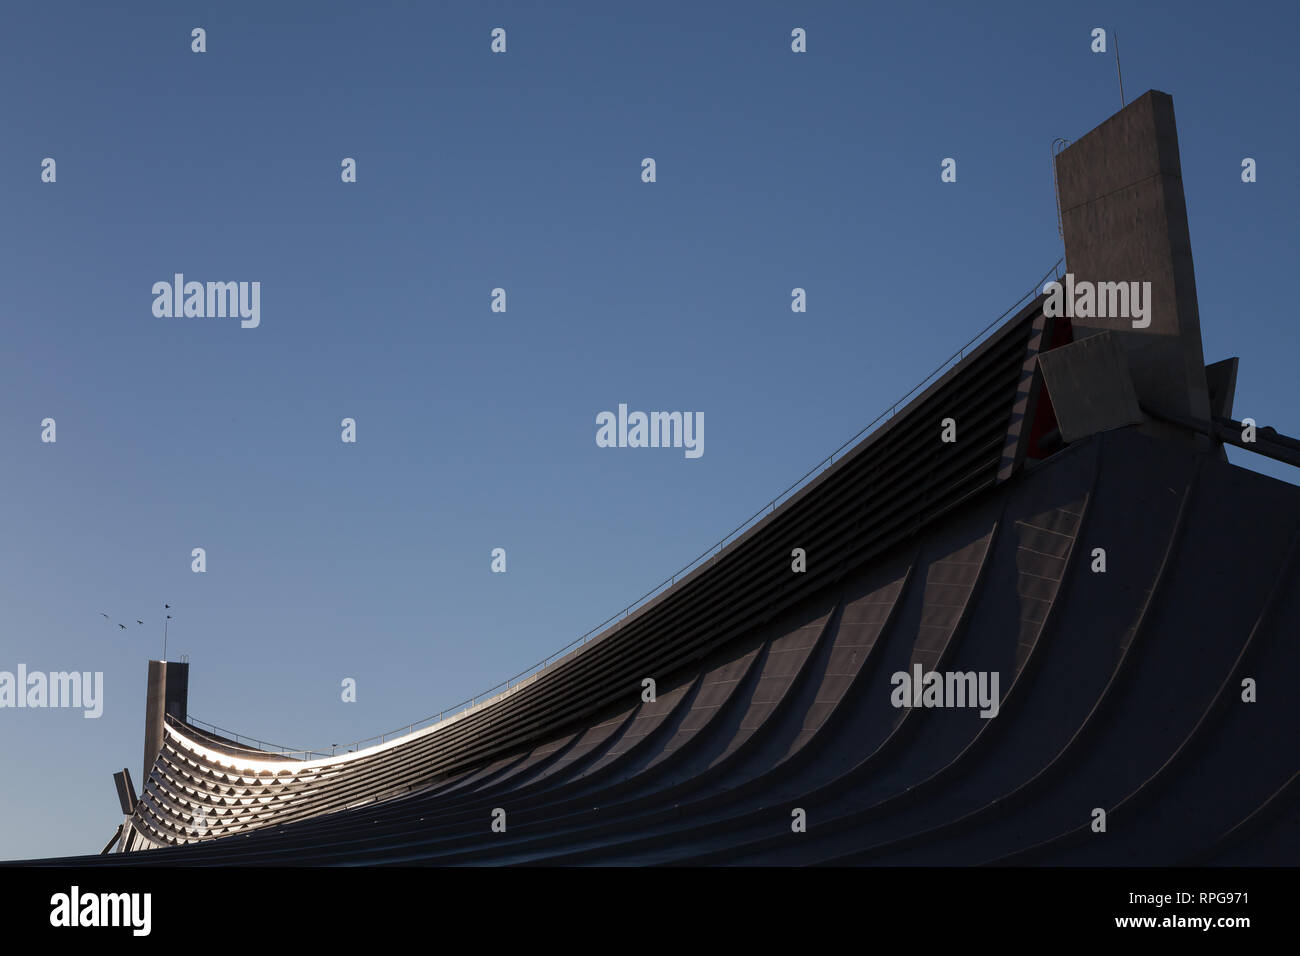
1053,521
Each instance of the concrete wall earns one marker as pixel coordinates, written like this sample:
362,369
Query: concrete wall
1125,219
167,693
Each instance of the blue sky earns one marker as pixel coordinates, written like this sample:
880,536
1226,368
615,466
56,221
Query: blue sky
476,429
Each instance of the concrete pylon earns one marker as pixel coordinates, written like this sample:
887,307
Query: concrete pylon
1124,217
168,693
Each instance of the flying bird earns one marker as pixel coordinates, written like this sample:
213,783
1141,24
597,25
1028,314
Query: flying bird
122,626
102,614
139,622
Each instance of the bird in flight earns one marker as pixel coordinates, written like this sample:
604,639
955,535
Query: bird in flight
120,626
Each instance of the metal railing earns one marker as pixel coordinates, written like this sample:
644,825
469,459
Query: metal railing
254,744
526,676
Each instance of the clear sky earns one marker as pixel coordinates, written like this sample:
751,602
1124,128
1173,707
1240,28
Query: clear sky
475,429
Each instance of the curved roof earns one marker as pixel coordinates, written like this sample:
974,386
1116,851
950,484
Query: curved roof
1119,690
202,787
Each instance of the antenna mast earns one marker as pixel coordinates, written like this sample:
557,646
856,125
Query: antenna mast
1118,71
